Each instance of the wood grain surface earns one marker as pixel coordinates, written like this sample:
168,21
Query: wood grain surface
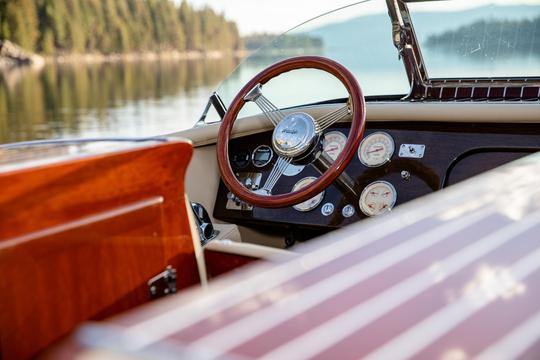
79,240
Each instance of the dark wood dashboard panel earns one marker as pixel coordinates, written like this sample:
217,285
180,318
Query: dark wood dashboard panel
453,152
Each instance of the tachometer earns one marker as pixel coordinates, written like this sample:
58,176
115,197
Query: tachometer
311,203
376,149
377,198
333,143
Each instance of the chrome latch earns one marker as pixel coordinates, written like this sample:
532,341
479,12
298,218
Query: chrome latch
163,284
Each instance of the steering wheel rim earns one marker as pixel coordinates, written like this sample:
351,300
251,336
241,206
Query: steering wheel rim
337,167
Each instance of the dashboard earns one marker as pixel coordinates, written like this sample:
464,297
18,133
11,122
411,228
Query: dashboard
396,162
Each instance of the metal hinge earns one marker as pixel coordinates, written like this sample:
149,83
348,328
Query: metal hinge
163,284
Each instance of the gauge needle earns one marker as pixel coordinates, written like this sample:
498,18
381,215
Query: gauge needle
375,150
331,149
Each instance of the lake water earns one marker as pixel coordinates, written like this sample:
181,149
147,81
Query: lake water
157,98
111,99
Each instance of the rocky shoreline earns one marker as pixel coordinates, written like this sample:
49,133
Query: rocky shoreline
12,56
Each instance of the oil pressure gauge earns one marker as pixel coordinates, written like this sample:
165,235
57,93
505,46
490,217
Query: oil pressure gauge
376,149
377,198
311,203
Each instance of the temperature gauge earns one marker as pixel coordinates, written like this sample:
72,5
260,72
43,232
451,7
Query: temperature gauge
333,143
376,149
311,203
377,198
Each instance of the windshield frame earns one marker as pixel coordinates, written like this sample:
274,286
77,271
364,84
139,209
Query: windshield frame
424,88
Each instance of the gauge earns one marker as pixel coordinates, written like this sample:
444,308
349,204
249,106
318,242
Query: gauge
262,155
333,143
240,159
377,198
311,203
376,149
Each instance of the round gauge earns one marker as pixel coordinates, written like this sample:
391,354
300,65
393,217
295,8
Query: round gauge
377,198
311,203
262,155
240,159
333,143
376,149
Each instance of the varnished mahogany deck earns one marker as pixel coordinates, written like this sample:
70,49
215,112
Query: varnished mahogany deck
79,239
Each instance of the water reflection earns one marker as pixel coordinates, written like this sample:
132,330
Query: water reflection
122,99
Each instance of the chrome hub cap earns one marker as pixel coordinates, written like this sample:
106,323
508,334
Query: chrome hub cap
295,134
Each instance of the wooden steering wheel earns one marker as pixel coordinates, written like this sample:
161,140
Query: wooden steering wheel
297,136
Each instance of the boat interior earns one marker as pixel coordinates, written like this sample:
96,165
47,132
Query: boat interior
89,229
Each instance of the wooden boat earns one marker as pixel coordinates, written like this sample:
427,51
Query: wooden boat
91,230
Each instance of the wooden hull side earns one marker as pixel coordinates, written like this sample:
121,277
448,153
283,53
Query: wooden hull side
80,239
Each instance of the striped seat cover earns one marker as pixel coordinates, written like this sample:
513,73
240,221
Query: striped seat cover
454,275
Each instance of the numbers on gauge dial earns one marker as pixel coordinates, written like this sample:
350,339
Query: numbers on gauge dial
376,149
311,203
377,198
333,143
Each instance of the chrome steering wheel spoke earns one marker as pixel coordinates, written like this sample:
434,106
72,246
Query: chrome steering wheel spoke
271,111
327,120
280,166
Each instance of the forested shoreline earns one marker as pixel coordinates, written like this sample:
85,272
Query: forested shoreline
71,27
491,38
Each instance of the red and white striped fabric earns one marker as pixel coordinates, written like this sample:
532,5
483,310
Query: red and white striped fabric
455,275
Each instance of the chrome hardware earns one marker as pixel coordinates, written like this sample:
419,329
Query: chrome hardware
204,223
405,175
162,284
415,151
327,209
348,211
295,134
254,93
251,181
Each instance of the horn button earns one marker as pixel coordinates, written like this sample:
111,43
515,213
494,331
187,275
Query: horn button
294,135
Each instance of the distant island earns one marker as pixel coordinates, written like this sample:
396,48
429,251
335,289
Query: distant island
489,38
271,45
65,27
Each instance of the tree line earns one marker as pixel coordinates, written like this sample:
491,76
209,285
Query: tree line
491,38
114,26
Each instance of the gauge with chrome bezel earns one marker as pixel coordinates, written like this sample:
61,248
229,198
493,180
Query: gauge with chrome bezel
311,203
262,155
333,143
377,198
376,149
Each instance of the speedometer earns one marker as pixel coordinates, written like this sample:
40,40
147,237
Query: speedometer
311,203
333,143
376,149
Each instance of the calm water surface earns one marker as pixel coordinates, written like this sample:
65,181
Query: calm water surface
112,99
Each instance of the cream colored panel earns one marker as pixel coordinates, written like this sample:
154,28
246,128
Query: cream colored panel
251,250
501,112
202,178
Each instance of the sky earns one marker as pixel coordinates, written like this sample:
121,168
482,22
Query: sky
277,16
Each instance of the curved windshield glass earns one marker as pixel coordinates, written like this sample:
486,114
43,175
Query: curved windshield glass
463,38
357,36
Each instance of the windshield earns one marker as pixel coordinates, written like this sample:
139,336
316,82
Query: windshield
358,36
498,39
